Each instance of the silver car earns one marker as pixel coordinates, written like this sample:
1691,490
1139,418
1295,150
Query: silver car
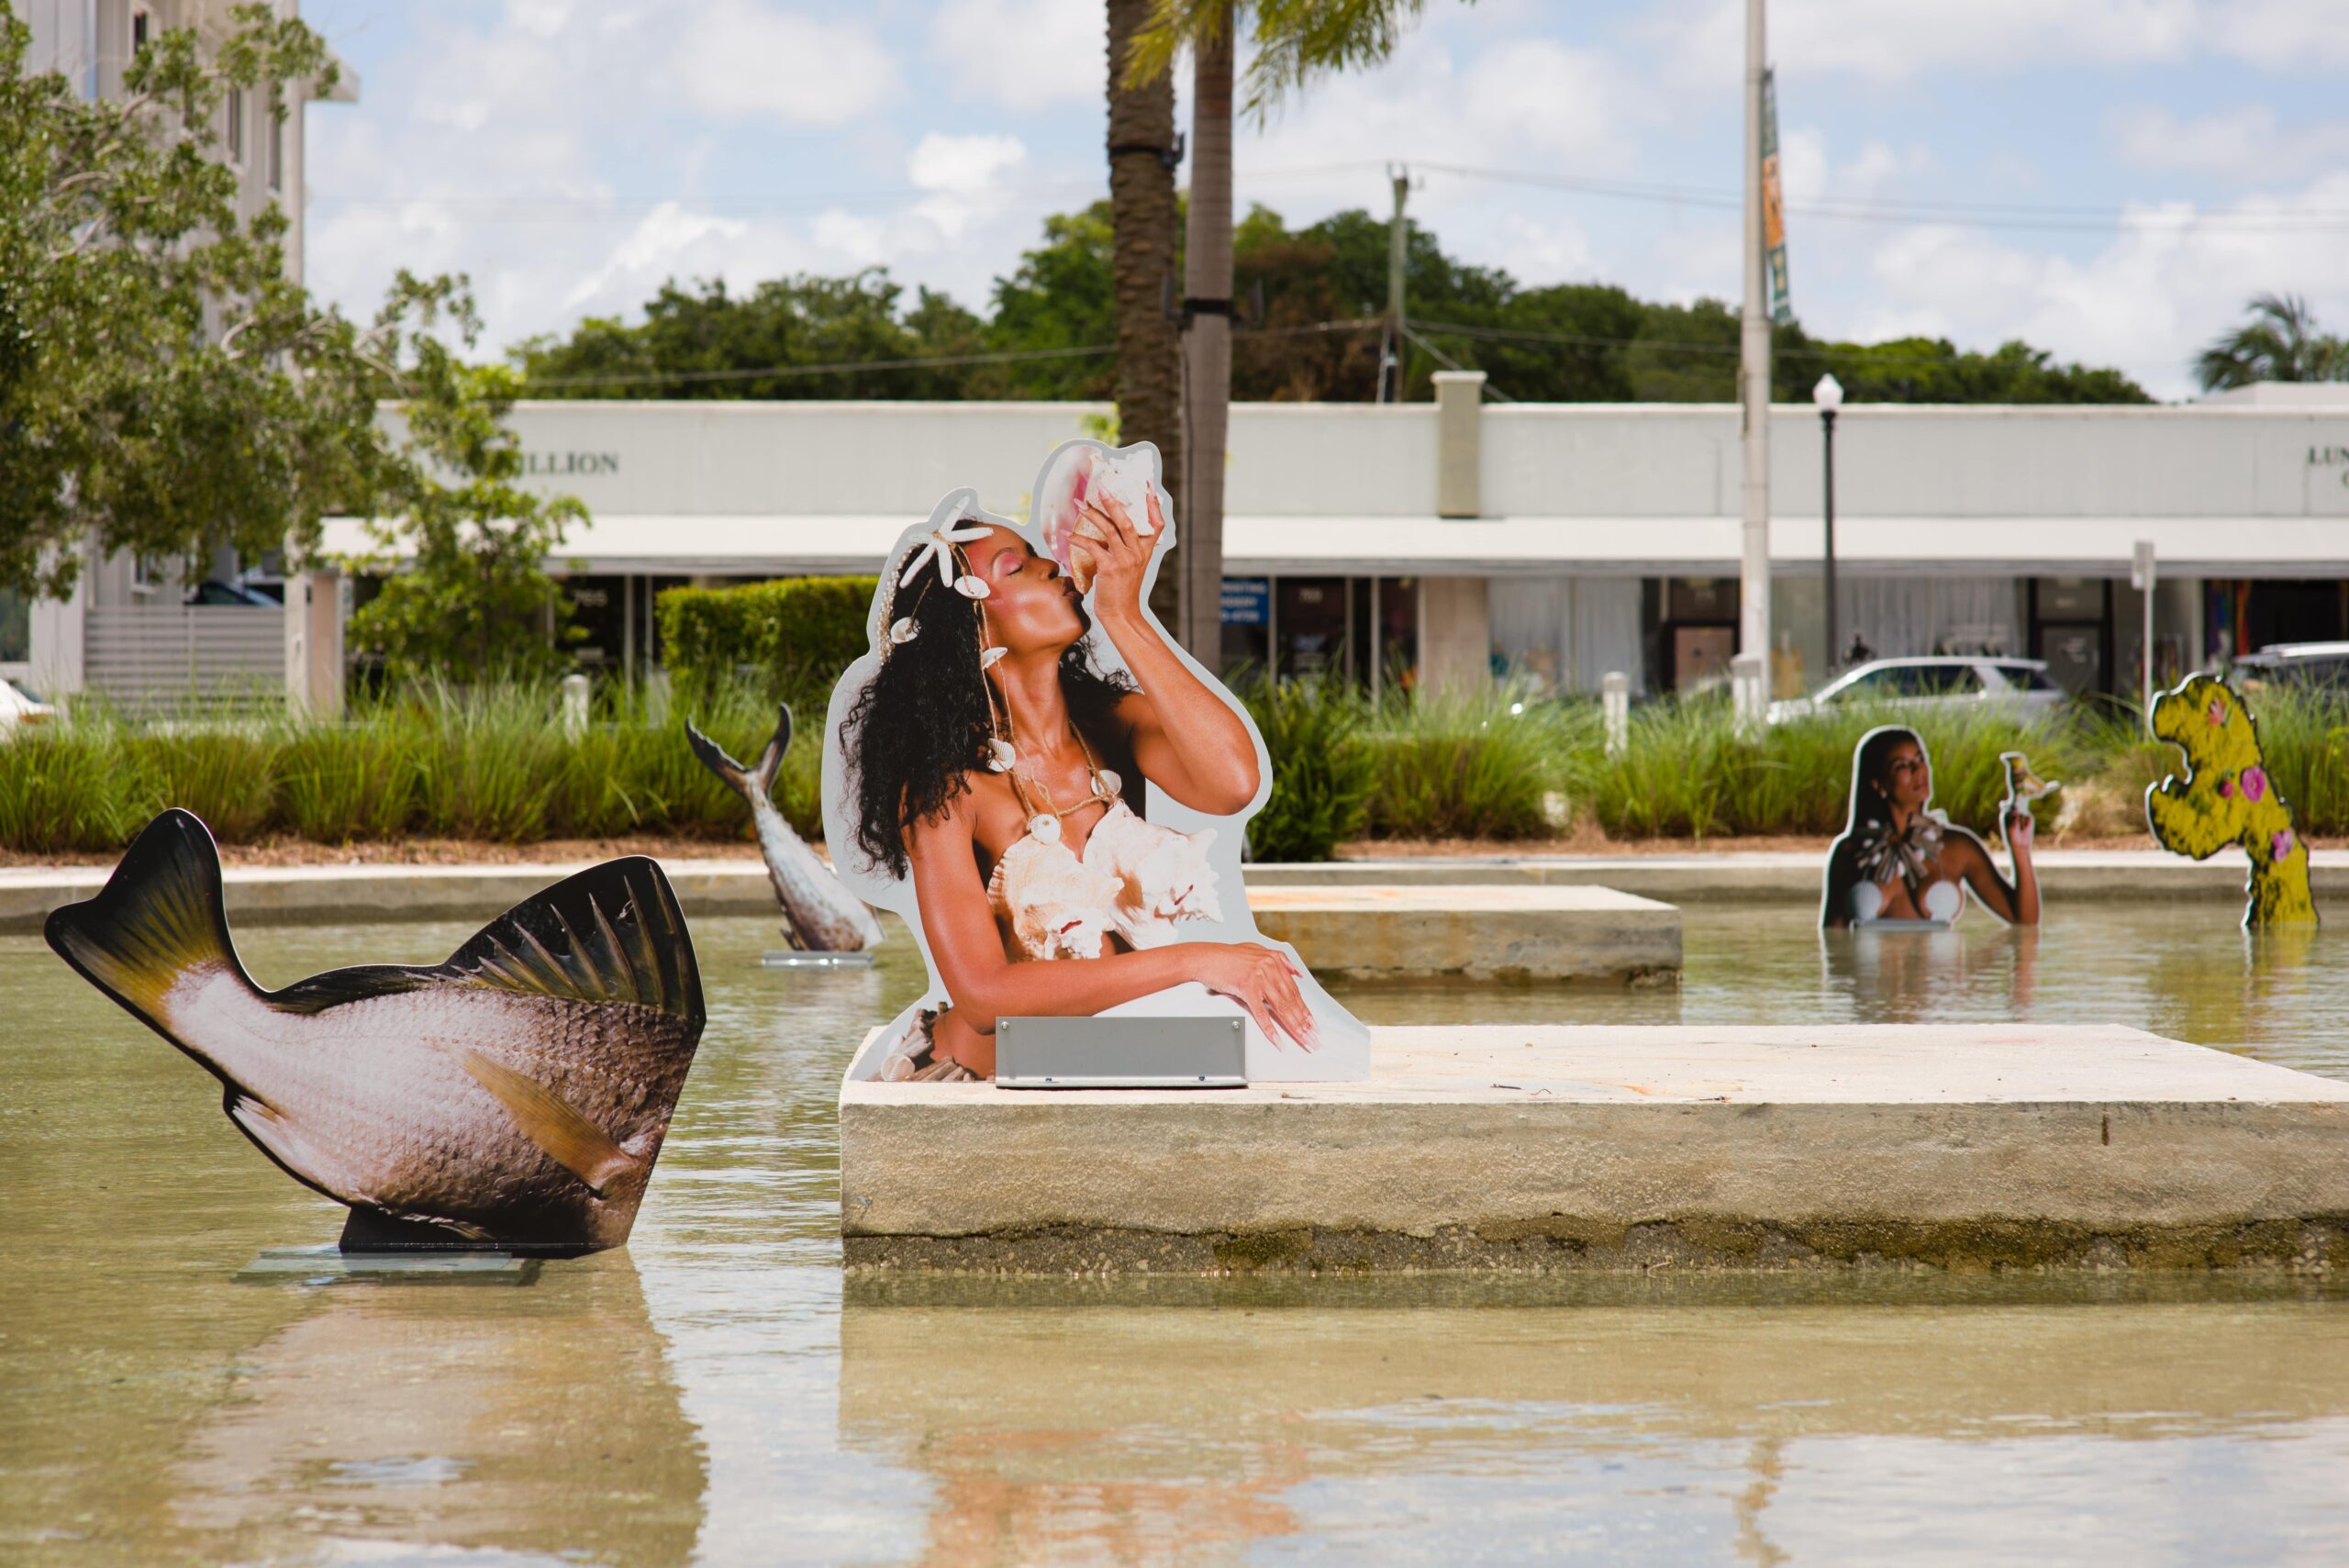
1932,681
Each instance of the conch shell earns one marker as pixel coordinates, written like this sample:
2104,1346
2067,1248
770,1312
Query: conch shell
1164,878
1085,475
1059,905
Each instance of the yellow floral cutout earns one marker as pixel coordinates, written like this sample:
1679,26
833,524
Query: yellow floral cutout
2226,797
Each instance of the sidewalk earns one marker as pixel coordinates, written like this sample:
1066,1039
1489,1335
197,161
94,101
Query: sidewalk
336,894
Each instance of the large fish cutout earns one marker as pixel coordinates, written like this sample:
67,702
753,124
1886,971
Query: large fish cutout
820,915
514,1096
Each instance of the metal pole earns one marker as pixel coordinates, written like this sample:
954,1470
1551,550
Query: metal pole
1753,375
1827,418
1390,346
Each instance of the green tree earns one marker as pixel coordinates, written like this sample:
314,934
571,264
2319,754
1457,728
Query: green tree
165,387
1062,296
2278,342
465,592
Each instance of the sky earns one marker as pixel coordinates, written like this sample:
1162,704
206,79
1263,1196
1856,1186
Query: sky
2108,179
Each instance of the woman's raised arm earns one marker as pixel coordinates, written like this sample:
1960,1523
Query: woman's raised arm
2015,902
1187,740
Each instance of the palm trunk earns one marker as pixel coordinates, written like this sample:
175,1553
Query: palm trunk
1206,394
1143,261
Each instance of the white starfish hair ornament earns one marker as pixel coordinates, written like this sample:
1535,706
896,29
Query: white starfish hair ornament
939,545
903,629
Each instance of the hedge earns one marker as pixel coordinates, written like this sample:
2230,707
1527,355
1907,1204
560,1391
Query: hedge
795,635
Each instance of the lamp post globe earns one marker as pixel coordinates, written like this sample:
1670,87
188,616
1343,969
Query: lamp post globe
1829,397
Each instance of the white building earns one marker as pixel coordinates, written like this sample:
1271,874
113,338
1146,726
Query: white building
128,631
1563,541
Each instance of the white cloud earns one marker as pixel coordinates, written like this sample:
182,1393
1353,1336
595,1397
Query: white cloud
2247,143
743,60
2143,301
1900,43
962,163
1024,54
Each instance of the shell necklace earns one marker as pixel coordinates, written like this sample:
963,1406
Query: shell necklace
1045,824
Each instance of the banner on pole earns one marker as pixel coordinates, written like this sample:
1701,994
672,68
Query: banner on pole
1774,206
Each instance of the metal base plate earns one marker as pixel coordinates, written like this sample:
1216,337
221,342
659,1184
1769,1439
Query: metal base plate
793,958
328,1263
1120,1053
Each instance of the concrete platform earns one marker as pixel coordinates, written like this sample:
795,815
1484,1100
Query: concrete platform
1477,932
1564,1148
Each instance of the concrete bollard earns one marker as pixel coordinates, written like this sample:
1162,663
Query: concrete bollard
1614,707
574,707
1747,674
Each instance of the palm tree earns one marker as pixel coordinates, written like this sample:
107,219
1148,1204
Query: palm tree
1295,40
2279,342
1142,153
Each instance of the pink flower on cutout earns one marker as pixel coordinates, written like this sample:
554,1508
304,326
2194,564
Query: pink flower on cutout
2226,786
2255,783
2283,843
2218,714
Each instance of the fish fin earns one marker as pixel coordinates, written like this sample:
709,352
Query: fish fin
358,983
159,917
771,756
297,1155
552,1123
717,760
613,933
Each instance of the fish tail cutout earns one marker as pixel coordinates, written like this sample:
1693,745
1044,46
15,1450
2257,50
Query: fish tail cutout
552,1123
612,933
718,761
762,777
159,919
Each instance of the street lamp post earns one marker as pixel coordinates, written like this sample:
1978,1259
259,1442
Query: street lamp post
1829,395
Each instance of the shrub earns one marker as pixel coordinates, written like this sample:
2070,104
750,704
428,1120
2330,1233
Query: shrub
227,776
795,635
336,783
71,787
1467,765
1322,768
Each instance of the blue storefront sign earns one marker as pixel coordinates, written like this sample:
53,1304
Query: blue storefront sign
1247,601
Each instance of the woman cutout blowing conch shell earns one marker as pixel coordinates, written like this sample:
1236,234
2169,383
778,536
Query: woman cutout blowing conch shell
1052,793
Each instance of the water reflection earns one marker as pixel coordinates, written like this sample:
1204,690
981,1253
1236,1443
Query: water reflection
540,1418
1694,1419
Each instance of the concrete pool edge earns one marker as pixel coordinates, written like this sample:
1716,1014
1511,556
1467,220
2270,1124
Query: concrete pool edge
340,895
1624,1148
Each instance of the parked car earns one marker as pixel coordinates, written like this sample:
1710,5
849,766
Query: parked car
19,706
2303,665
1930,682
217,591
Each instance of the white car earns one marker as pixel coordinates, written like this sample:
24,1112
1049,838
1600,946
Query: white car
1932,681
17,706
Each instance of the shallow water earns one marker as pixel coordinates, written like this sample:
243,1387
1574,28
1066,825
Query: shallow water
717,1394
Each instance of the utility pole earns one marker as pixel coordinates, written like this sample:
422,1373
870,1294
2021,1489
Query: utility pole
1753,394
1391,341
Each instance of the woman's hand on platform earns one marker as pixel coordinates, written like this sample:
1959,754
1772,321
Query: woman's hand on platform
1262,980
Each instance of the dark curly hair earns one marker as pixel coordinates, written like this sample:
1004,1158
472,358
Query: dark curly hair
922,726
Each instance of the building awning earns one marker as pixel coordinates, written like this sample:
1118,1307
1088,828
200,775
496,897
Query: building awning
786,544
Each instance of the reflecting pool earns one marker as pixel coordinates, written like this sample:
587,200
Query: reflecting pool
718,1394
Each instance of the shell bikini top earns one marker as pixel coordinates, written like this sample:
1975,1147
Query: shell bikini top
1137,878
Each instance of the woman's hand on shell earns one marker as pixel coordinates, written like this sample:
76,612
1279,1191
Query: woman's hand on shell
1120,556
1264,980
